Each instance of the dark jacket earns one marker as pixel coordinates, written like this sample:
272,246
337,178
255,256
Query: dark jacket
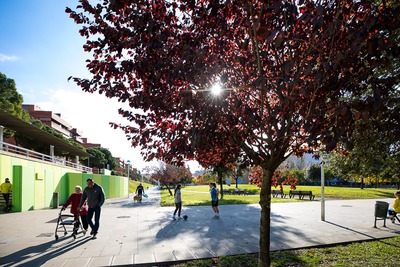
95,196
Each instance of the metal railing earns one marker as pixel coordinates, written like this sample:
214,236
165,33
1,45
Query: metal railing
20,151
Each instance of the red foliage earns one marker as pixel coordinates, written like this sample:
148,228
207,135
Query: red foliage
256,178
295,74
292,181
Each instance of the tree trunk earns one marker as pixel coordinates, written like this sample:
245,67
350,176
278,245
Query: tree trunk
265,221
169,190
362,182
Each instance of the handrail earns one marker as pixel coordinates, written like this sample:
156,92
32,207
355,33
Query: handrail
42,157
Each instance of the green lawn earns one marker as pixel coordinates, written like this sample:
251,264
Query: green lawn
383,252
199,195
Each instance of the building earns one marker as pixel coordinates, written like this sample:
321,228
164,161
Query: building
49,118
56,122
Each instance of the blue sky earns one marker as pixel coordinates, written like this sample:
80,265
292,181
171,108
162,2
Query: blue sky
40,48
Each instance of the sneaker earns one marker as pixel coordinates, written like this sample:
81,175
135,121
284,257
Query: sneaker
179,217
91,232
173,217
94,236
216,217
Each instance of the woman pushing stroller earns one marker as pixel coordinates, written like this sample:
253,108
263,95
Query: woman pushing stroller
74,200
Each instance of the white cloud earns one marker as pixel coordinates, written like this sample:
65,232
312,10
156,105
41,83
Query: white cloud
4,58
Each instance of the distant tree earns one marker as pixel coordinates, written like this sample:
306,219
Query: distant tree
373,156
169,175
314,173
135,174
298,173
110,160
209,177
99,158
235,172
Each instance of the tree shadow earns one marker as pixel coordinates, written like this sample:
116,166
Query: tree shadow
46,250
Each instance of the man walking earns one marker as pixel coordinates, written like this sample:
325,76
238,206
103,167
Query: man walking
94,194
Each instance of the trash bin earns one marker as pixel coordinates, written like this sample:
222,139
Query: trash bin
55,200
381,209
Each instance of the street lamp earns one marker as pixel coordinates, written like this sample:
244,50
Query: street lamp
324,157
129,166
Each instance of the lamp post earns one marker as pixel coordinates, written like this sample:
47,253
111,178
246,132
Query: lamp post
129,166
323,188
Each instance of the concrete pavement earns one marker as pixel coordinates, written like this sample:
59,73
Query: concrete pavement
144,233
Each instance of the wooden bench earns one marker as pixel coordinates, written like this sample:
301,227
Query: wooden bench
301,194
276,193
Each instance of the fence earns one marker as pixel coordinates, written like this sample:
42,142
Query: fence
19,151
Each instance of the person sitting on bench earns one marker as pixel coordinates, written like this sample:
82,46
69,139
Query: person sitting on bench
395,207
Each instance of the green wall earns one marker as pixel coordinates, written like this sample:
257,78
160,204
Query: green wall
35,182
114,186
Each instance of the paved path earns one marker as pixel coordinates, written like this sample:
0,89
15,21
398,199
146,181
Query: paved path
144,233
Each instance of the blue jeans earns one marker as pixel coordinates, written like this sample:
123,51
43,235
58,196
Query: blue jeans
89,216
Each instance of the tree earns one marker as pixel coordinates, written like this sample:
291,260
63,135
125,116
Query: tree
314,173
205,178
375,153
102,158
295,75
11,101
110,160
170,175
99,159
135,174
299,174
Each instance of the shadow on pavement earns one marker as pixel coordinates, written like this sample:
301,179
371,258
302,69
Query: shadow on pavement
46,250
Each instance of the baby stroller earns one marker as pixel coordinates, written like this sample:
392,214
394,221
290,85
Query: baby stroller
67,222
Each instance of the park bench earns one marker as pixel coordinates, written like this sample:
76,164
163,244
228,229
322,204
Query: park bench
276,193
235,192
301,194
240,192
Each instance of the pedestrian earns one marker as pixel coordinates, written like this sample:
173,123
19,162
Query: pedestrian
178,201
94,195
6,189
140,191
214,199
74,199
